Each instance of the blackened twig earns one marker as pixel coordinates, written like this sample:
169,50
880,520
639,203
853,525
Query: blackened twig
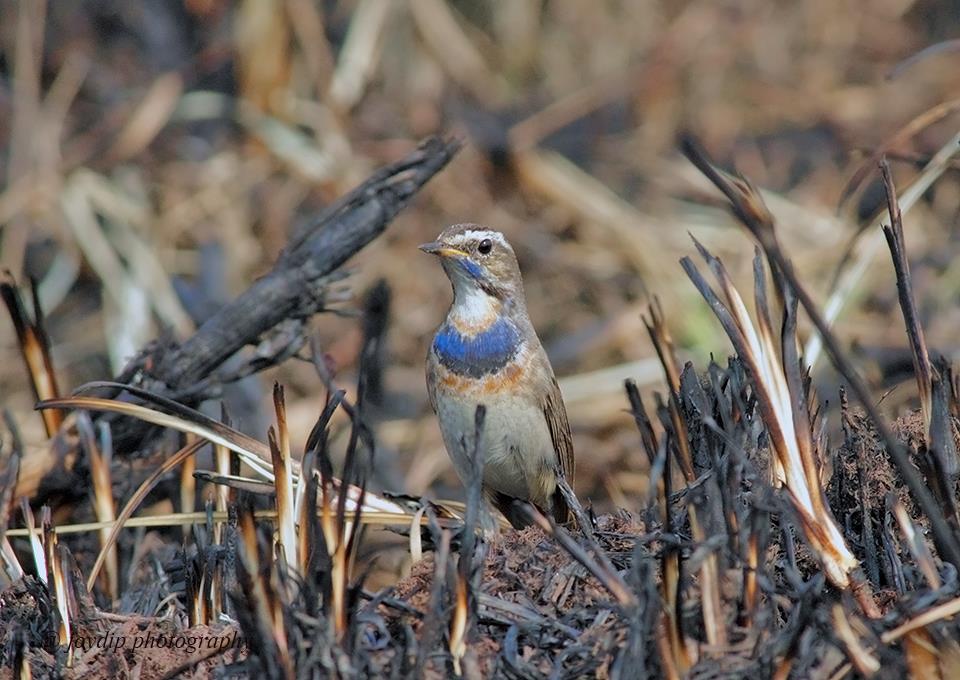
295,288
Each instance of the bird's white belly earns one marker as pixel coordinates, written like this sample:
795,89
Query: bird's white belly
518,451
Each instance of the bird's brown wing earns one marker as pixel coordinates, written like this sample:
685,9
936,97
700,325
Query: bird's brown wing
556,414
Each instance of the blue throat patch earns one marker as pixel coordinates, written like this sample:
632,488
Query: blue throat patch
477,355
474,269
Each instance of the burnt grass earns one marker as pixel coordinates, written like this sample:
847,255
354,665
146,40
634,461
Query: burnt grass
533,607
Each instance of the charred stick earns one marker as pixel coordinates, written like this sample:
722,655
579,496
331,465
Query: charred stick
911,318
296,286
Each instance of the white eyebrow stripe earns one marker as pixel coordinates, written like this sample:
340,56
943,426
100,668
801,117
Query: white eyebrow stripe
478,234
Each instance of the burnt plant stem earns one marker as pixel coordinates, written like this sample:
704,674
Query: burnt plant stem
474,509
911,318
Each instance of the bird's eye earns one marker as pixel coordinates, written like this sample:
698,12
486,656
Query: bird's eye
486,245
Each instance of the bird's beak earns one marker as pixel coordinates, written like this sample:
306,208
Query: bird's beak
441,249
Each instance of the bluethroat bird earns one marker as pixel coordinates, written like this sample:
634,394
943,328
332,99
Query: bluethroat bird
487,352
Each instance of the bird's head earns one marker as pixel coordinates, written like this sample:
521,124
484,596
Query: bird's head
478,260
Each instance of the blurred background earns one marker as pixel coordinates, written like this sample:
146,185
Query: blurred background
157,154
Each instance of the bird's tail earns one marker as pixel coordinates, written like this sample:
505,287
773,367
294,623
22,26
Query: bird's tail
560,501
560,507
